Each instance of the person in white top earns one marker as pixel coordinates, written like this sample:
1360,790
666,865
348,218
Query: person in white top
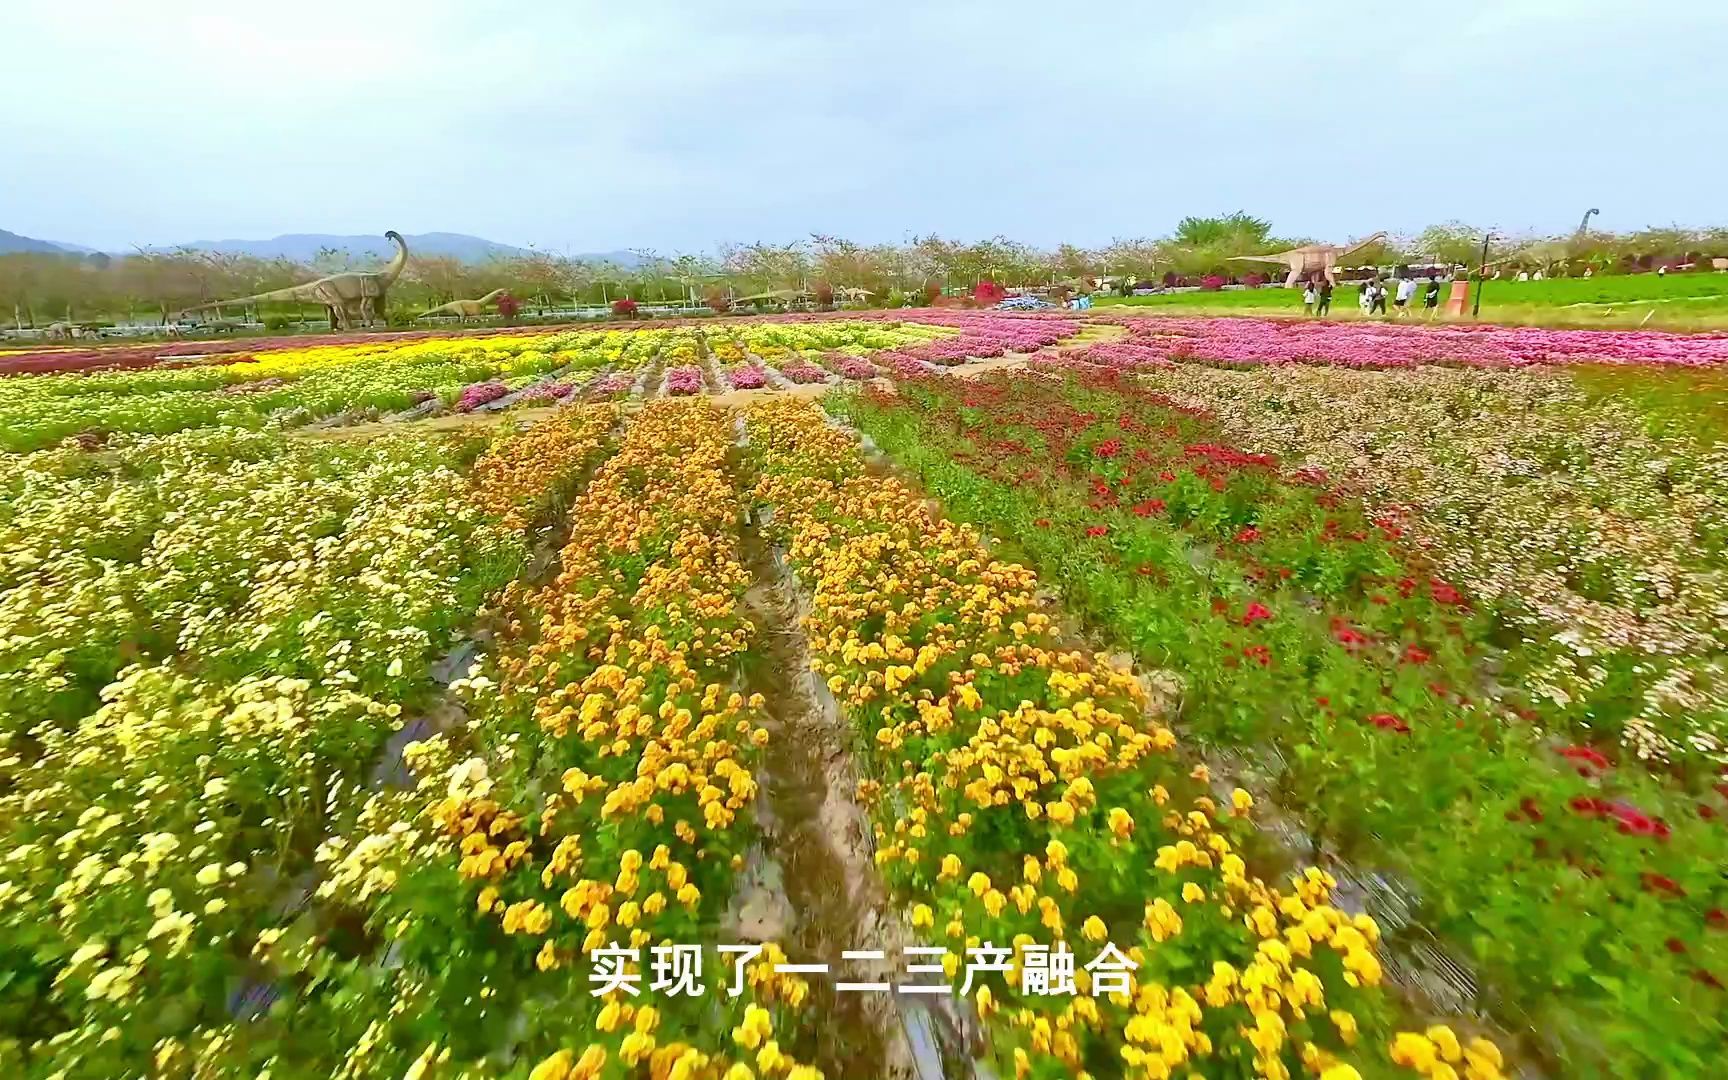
1406,289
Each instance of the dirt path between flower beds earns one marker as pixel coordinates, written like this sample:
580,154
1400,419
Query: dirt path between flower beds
816,893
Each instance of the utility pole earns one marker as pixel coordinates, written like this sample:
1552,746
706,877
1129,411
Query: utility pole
1481,277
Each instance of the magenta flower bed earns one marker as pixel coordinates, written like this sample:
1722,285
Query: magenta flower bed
607,386
848,366
1111,354
802,371
551,391
684,380
986,335
747,377
900,362
1266,341
477,394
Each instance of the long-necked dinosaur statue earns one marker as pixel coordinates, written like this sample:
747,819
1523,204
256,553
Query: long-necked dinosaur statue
466,309
354,296
1311,258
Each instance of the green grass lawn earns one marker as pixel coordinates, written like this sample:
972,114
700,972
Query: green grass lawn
1694,301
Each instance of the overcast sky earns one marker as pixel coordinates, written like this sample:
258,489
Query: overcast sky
680,126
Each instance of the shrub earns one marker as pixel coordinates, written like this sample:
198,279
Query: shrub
1212,282
824,293
508,306
624,308
988,292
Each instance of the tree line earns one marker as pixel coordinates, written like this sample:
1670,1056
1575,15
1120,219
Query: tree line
153,285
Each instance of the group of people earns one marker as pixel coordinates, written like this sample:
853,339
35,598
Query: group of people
1317,297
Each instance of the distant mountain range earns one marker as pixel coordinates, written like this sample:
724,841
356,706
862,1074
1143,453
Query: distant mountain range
11,242
304,247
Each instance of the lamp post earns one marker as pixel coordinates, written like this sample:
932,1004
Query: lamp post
1481,277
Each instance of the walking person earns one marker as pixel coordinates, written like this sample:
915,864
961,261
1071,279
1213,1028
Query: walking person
1325,304
1406,290
1365,297
1431,298
1308,298
1379,300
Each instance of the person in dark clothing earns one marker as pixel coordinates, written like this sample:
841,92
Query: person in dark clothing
1325,303
1431,298
1379,303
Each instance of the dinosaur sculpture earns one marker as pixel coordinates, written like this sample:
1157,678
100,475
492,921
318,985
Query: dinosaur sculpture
354,296
465,309
1311,258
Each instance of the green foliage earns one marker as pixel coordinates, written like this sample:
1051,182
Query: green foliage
1420,762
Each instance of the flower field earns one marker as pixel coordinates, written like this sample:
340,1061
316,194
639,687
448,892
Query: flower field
1186,698
368,379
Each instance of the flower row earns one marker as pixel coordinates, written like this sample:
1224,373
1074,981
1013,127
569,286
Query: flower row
1021,791
1379,345
517,476
600,799
208,639
1352,673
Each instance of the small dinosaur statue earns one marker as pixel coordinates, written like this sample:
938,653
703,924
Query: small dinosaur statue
465,309
1311,258
353,297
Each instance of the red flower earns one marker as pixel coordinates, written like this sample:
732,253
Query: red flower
1675,945
1148,507
1662,883
1589,807
1323,702
1248,535
1042,523
1716,919
1260,654
1415,654
1348,636
1634,822
1442,592
1167,476
1387,722
1097,530
1109,448
1588,760
1256,612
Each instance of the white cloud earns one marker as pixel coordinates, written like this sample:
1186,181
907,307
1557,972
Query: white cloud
682,123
